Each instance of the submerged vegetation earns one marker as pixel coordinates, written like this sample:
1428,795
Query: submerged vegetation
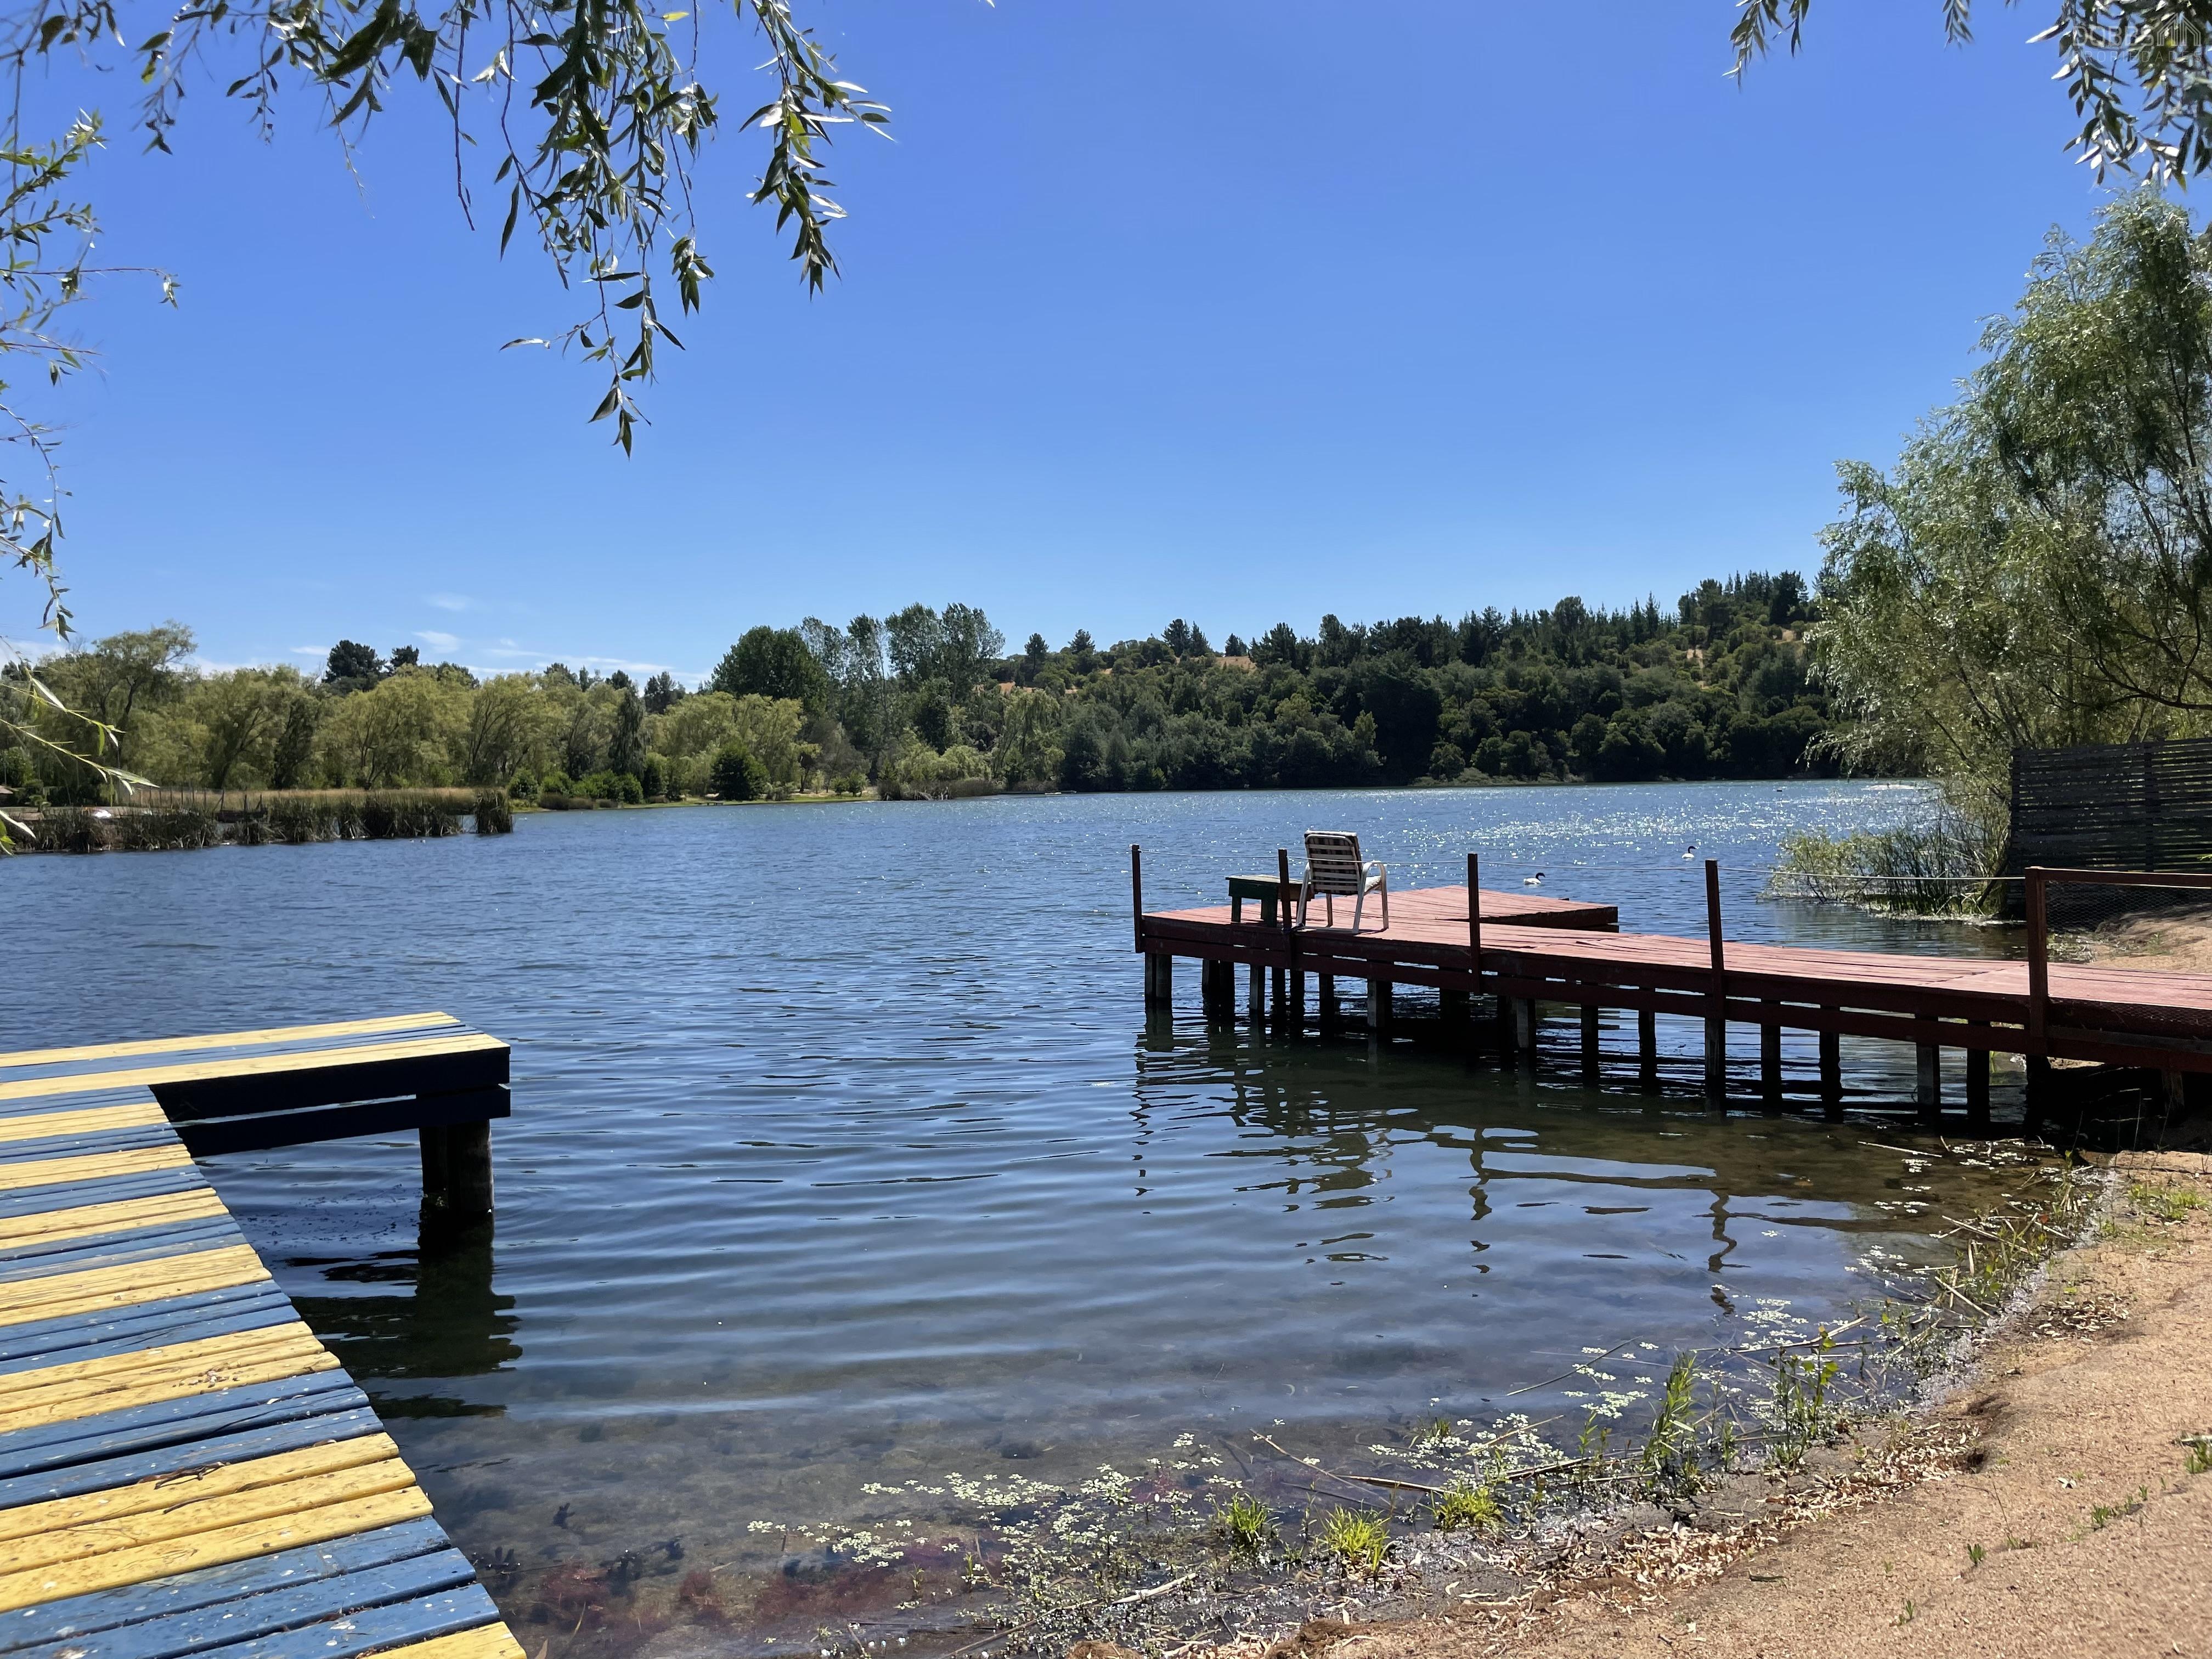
1228,1534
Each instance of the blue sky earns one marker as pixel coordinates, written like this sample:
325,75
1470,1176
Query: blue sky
1223,310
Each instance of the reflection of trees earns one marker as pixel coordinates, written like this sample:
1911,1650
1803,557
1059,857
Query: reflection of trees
449,1322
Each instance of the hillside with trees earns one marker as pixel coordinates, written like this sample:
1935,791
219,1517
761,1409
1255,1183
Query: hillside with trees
927,703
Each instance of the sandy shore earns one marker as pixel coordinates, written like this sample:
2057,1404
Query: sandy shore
2053,1505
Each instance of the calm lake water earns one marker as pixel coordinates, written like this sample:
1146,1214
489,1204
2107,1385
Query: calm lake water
843,1153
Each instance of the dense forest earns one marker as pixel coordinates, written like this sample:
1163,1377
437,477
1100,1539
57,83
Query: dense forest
929,703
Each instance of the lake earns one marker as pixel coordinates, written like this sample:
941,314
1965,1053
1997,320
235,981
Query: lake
843,1156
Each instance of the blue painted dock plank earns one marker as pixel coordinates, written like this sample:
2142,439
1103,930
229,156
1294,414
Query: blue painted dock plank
424,1594
227,1410
209,1587
75,1255
201,1451
38,1343
106,1189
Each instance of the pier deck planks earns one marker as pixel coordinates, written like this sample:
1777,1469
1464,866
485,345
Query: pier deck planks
185,1469
1559,952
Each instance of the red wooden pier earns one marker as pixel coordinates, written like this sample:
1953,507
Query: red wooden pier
1520,950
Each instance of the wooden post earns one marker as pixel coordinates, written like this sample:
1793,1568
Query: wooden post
1524,1025
1451,1002
1137,892
2038,967
1474,920
1218,988
1283,976
1507,1047
456,1170
1325,994
1770,1064
1928,1083
1589,1045
1832,1075
1255,994
1717,1021
1378,1006
1647,1047
1159,980
1297,999
1978,1084
2039,1094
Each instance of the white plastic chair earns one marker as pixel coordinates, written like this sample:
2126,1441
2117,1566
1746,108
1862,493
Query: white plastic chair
1335,870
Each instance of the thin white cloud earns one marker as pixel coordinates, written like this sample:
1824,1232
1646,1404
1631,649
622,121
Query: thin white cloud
450,601
433,636
309,651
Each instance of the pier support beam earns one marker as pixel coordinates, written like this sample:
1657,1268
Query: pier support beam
1282,989
1378,1007
1501,1030
1647,1047
1326,995
1832,1075
456,1170
1928,1083
1217,988
1716,1057
1255,994
1977,1087
1159,980
1452,1005
2037,1094
1524,1027
1589,1045
1770,1065
1296,1012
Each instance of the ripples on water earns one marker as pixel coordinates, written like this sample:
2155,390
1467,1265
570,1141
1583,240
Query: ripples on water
843,1153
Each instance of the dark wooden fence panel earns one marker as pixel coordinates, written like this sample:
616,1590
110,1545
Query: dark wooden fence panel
2113,806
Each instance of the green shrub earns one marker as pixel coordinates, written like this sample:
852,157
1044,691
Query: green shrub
523,786
851,783
557,783
738,775
1359,1540
558,802
654,778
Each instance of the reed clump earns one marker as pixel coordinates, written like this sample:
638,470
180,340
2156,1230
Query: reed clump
173,820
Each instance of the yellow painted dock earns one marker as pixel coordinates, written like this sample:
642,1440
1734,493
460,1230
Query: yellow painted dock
185,1469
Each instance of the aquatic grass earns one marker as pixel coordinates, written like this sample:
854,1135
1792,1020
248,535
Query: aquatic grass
1468,1504
1245,1524
1358,1539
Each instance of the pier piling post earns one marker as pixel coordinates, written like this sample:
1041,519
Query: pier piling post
1451,1002
1716,1021
1770,1065
1647,1047
1325,994
1281,976
1159,980
1502,1030
1978,1084
1255,994
1524,1026
1217,985
1928,1083
1832,1075
1297,1012
1378,1007
1589,1045
2037,1100
456,1170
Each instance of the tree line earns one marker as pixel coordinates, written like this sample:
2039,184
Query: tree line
927,703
